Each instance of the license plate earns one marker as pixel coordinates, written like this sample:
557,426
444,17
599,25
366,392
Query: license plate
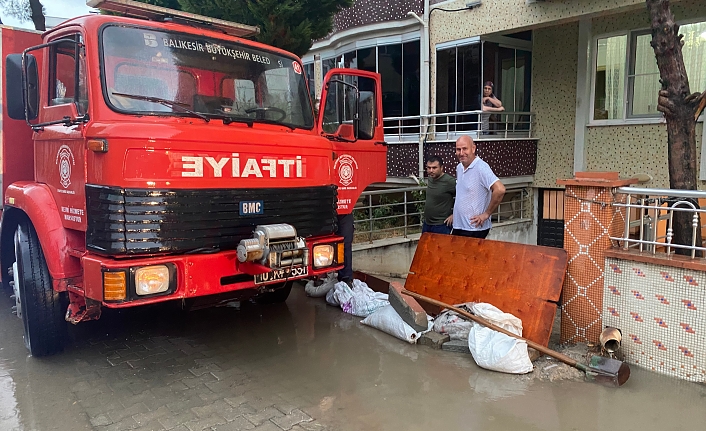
281,274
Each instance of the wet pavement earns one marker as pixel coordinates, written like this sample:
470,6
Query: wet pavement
298,366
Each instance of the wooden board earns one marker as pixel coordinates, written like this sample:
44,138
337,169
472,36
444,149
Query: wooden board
523,280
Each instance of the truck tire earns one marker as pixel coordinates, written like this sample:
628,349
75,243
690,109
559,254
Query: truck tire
280,294
38,305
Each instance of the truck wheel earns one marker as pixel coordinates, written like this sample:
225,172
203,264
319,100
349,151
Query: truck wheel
38,305
280,294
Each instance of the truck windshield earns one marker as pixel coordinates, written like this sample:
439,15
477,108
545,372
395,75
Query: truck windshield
208,77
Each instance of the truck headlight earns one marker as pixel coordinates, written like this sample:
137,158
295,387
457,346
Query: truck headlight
151,279
323,255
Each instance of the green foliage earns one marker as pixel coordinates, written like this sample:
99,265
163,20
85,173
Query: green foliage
288,24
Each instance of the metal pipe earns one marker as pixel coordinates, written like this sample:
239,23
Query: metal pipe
610,339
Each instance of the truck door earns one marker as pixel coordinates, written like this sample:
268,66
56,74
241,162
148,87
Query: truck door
350,116
59,147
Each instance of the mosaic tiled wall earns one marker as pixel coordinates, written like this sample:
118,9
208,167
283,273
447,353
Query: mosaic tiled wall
590,221
661,312
507,158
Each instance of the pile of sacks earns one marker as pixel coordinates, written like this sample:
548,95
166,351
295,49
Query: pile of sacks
360,300
490,349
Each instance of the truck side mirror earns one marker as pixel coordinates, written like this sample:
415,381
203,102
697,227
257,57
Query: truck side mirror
32,86
22,94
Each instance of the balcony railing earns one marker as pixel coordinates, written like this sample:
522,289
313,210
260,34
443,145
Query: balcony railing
449,126
649,219
399,212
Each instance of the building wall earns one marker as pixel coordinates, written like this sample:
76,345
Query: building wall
632,150
495,16
554,60
635,149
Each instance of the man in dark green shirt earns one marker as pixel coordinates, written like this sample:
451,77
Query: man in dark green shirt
441,190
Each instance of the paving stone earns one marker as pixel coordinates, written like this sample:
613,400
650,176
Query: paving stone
237,424
144,418
213,408
118,415
240,410
204,423
263,415
176,419
311,426
101,420
286,422
150,426
267,426
125,424
456,346
192,382
433,339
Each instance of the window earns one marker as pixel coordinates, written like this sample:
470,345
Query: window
154,72
68,74
399,66
460,75
626,77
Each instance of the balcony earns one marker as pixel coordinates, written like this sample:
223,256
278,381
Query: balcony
505,142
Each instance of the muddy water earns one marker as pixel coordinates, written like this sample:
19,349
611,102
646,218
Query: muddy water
312,356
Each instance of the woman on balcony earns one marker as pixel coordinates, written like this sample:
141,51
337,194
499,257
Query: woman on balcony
490,104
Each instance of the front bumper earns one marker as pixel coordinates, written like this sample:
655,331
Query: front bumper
194,274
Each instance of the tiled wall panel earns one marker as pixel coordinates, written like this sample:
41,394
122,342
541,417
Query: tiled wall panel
661,312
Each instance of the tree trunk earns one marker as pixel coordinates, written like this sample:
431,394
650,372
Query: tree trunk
37,15
680,108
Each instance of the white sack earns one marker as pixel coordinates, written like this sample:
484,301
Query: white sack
449,322
493,350
387,320
318,291
359,301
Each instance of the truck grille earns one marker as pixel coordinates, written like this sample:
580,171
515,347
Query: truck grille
141,221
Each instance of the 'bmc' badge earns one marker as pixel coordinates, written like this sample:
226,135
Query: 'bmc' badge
346,166
65,159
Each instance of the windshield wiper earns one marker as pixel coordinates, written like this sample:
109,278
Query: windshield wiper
168,103
267,121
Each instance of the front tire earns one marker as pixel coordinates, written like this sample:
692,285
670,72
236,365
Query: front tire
38,305
277,295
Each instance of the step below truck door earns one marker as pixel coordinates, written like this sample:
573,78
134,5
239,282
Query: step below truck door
350,116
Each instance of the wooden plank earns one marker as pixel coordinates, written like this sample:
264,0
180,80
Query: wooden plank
560,204
545,205
524,280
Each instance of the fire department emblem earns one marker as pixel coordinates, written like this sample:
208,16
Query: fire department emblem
65,159
346,166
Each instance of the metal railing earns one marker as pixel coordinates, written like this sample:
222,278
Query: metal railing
649,219
389,213
449,126
399,212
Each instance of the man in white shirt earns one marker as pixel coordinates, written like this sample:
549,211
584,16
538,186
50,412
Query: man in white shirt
478,192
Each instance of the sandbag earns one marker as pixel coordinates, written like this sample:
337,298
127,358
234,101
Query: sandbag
449,322
387,320
496,351
360,300
318,291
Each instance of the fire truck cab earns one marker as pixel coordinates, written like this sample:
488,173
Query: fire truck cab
170,158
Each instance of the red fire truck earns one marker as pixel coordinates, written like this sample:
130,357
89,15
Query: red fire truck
160,155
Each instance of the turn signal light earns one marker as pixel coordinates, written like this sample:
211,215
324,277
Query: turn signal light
98,145
340,255
114,286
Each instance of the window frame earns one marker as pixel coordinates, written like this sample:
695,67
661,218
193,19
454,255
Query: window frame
628,90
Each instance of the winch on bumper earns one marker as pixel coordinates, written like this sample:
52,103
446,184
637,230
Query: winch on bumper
275,246
277,253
